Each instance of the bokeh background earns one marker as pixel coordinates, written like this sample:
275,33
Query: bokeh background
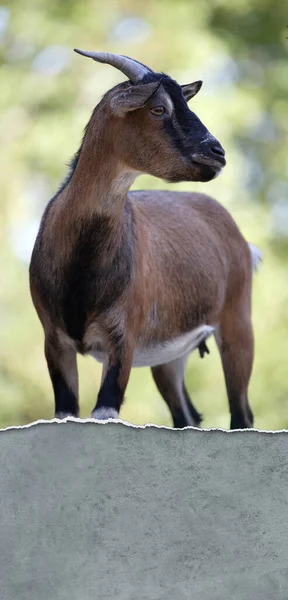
240,50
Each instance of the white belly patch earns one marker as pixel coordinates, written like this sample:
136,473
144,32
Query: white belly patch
167,351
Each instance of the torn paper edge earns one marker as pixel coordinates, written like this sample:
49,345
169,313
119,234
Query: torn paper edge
146,426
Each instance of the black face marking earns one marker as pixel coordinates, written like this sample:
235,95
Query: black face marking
185,129
110,394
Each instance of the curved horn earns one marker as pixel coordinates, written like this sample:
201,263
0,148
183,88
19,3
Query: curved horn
133,69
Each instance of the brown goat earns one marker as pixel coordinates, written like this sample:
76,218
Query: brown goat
143,278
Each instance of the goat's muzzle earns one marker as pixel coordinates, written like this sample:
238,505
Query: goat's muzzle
210,158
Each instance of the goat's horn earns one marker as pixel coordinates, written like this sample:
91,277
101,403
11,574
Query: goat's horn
130,67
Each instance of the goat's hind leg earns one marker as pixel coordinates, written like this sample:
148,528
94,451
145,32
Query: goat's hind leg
62,366
235,341
169,379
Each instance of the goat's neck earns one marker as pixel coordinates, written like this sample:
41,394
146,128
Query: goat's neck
100,182
97,189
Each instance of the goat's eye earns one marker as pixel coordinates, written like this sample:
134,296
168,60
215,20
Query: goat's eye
158,111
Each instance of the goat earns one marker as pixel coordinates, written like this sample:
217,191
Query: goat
143,278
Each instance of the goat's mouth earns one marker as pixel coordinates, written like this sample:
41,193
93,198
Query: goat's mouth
203,159
209,168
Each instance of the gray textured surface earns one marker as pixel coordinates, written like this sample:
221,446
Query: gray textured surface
111,512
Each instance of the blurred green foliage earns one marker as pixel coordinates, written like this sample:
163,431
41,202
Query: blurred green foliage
239,49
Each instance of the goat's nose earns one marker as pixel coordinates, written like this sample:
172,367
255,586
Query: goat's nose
217,149
216,152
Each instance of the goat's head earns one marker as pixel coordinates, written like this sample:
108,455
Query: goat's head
161,136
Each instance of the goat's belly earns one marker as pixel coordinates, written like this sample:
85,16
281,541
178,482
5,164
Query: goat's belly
165,352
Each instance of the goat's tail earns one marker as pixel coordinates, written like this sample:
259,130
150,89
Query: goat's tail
256,256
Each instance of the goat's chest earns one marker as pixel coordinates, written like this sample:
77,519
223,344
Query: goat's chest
93,285
160,353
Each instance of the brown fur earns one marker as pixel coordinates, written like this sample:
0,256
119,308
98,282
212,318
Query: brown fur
189,263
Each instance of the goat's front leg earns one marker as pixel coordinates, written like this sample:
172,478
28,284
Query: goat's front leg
62,366
115,378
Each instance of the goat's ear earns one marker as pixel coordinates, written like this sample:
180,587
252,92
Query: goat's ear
191,89
132,98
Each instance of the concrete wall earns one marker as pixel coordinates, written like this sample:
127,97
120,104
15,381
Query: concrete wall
109,512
